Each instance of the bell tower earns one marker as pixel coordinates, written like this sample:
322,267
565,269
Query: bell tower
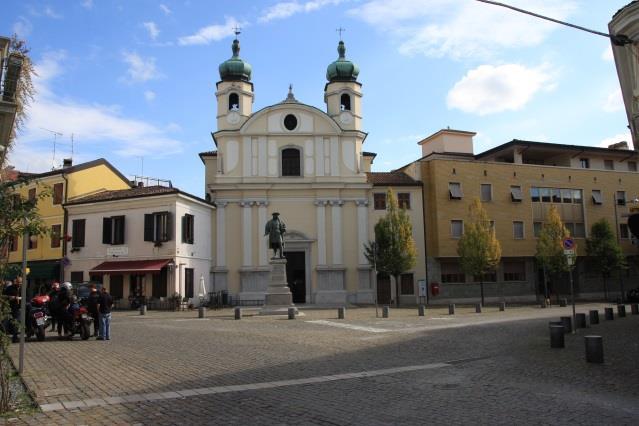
343,93
234,90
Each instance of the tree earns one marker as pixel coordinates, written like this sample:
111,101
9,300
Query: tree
393,251
550,255
25,92
478,248
604,251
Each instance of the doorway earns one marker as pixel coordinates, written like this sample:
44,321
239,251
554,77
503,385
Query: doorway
296,274
383,289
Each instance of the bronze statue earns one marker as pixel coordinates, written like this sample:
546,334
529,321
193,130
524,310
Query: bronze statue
275,230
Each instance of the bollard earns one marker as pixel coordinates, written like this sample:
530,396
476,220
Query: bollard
341,313
502,306
238,313
451,309
634,308
478,308
421,310
567,321
385,310
142,309
200,311
563,303
610,315
594,317
557,336
551,323
621,311
580,321
594,349
291,313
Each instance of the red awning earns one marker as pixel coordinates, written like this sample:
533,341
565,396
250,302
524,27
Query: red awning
130,266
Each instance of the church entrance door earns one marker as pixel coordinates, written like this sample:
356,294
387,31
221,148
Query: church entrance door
383,289
296,274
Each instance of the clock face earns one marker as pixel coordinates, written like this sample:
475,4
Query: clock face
346,117
233,117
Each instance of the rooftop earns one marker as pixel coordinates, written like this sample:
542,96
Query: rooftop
137,192
391,179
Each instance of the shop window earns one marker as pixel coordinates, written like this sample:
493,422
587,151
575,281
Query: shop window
379,201
403,199
291,165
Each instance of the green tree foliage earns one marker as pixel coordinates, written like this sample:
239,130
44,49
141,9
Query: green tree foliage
393,251
605,254
550,252
478,249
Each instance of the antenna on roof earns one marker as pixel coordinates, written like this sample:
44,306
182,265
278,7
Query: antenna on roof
55,139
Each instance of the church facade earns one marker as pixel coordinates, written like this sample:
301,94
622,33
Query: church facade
310,166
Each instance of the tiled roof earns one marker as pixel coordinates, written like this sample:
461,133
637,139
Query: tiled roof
138,192
207,154
391,179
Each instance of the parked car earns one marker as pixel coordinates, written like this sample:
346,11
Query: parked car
83,290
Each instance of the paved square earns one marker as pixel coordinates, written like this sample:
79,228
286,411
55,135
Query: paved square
495,367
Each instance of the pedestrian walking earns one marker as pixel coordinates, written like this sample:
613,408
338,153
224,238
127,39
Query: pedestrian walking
93,302
104,308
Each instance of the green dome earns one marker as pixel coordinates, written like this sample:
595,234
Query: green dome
342,69
235,68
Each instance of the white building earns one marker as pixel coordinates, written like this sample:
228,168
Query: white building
149,242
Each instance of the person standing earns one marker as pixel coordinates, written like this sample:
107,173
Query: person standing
104,308
12,293
93,301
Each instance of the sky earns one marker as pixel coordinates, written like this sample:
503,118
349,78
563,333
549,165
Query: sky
134,81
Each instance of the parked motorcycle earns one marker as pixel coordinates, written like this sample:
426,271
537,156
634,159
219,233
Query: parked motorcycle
80,323
38,318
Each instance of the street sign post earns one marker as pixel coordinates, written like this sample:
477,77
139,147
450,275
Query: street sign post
570,248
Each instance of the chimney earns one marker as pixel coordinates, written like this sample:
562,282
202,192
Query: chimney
67,162
619,145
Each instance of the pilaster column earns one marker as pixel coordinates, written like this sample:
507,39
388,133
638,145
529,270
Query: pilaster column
336,217
321,231
263,245
362,230
220,228
247,235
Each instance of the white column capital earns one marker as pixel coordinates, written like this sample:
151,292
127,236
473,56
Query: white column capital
336,203
320,202
246,203
261,203
361,203
221,204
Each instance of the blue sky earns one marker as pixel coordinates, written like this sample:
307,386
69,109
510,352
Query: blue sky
133,79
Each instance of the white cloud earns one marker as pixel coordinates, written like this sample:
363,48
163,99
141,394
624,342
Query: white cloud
286,9
488,89
140,69
92,124
22,27
607,55
461,29
605,143
614,101
164,8
149,95
215,32
153,29
48,11
87,4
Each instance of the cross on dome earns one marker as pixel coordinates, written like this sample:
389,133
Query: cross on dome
340,30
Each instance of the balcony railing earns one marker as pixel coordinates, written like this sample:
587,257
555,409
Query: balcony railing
9,76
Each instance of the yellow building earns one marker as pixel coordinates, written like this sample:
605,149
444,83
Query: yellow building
517,183
45,253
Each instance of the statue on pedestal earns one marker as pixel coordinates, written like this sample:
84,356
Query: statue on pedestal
275,229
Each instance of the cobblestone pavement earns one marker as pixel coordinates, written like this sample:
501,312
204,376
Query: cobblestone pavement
489,368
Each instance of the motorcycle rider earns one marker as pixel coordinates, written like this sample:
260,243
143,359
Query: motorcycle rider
54,303
93,302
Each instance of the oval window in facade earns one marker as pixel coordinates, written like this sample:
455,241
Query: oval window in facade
290,122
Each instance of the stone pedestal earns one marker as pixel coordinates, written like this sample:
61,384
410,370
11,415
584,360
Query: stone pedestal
278,296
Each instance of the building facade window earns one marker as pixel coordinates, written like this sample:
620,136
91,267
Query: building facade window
290,122
597,198
407,284
78,228
291,165
609,165
556,195
188,282
514,270
234,102
32,244
584,163
56,233
515,194
632,166
624,231
455,191
32,194
518,230
488,277
77,276
379,201
159,288
157,227
345,102
456,228
537,226
188,229
113,230
621,198
58,191
403,199
451,272
486,192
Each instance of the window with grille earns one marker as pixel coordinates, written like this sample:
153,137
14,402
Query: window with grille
488,277
451,272
291,162
515,270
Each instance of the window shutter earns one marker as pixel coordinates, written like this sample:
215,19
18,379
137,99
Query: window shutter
166,232
120,235
148,227
185,237
106,230
192,229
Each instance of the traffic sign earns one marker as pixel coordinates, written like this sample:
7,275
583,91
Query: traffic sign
568,243
570,252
